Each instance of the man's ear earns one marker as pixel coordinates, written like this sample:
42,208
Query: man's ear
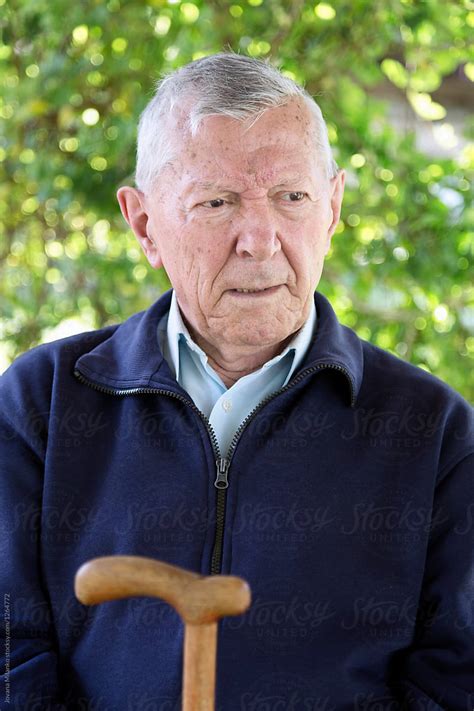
336,192
133,206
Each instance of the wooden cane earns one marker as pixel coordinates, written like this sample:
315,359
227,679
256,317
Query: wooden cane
199,600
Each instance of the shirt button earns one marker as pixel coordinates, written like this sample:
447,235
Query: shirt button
227,405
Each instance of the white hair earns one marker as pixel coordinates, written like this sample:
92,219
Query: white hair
224,84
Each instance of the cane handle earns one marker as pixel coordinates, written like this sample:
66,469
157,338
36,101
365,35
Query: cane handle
197,599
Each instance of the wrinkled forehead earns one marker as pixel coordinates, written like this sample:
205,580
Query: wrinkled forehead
294,113
265,143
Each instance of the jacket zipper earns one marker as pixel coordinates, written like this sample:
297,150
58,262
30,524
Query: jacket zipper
222,463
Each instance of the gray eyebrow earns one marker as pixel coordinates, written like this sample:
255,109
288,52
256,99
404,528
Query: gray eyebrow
206,185
202,184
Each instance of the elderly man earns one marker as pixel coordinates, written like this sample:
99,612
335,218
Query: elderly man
236,427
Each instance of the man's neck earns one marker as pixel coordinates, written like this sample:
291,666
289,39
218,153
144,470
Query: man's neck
231,366
231,372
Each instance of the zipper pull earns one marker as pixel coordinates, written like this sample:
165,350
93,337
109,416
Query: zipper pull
222,469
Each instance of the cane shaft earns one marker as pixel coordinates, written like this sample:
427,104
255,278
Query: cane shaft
200,601
199,667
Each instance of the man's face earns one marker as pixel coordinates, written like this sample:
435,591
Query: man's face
242,208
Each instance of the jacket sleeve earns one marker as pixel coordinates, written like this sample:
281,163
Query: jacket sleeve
438,668
28,655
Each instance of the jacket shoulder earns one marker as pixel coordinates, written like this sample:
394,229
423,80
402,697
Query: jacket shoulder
390,383
40,362
28,386
380,364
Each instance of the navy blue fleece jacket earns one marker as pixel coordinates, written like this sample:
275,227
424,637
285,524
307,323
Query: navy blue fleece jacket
349,509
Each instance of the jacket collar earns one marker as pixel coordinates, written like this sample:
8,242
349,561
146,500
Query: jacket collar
131,358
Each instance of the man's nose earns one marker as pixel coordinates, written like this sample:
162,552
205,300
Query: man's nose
257,232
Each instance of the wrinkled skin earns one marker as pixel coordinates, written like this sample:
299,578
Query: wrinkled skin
243,205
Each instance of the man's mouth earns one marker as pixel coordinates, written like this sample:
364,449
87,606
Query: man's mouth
249,291
268,290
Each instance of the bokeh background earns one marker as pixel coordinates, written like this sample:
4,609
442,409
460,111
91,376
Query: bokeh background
394,81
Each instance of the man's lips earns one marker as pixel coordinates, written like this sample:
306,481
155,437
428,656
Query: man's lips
265,292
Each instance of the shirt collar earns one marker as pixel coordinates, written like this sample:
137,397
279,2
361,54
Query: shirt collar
177,331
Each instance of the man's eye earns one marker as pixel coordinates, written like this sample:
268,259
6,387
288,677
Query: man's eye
294,196
218,202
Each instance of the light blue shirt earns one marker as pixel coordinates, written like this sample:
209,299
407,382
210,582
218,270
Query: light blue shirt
226,408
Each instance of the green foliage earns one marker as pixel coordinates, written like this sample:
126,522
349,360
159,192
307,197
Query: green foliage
75,77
